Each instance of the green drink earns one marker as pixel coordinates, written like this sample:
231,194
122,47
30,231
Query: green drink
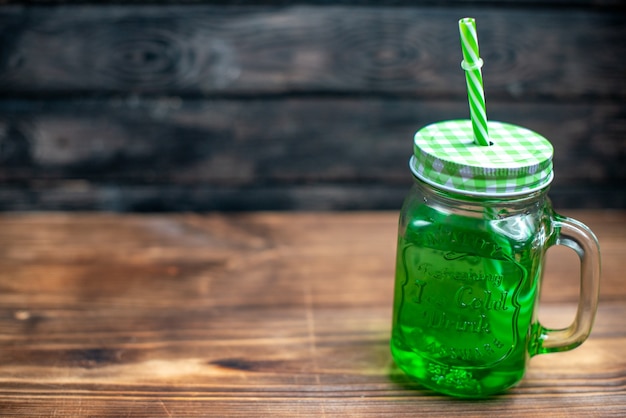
473,234
463,295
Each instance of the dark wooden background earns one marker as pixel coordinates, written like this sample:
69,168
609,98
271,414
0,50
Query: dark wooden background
219,105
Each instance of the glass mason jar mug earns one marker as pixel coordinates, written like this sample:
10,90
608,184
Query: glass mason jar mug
473,235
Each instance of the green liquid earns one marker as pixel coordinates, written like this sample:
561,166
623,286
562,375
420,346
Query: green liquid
464,296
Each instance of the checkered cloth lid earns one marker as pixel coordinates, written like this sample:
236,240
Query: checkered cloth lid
519,161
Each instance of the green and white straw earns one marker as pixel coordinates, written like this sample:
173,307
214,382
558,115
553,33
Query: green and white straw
472,64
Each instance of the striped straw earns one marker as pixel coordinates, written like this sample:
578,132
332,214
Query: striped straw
471,64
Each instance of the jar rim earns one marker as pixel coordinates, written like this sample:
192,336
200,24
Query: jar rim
496,194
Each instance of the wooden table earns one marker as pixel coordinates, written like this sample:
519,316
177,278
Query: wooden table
260,314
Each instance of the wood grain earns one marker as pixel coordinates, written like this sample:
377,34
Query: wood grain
311,105
207,50
174,155
264,314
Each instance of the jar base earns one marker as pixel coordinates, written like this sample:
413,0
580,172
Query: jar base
457,381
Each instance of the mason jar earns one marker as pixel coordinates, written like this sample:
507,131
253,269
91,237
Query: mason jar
473,235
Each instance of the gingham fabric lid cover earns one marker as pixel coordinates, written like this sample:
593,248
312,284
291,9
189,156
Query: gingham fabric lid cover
518,162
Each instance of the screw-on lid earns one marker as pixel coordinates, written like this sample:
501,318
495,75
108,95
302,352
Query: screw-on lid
519,161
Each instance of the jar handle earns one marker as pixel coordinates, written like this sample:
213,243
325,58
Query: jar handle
577,236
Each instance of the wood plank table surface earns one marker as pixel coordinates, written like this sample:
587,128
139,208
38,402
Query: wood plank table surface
257,314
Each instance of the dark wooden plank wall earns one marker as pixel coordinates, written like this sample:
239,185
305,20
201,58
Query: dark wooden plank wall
311,105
